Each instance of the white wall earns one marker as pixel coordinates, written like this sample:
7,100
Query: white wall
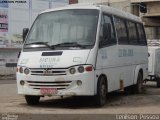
20,15
92,1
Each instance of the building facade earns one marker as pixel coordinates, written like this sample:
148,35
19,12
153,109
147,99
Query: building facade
151,17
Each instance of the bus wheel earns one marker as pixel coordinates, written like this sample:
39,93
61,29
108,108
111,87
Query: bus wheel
100,98
158,82
32,100
138,87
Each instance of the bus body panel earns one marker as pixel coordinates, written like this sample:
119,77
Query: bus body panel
116,62
33,84
119,62
38,63
67,59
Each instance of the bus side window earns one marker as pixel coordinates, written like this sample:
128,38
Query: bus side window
142,37
121,30
133,37
107,37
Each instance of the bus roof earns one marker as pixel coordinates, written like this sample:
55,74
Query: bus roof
103,8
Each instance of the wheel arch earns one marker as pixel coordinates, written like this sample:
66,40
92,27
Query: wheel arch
137,70
102,75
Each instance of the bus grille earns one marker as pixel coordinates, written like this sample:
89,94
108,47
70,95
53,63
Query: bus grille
59,85
48,72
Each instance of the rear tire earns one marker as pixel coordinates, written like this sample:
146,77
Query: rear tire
138,87
158,82
100,98
32,100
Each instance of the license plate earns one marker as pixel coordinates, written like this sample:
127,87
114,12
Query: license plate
48,91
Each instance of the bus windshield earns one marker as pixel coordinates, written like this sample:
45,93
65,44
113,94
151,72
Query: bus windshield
63,29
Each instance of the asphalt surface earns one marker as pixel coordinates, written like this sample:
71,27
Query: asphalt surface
7,81
78,108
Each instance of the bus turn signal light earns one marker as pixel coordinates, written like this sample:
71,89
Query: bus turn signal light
89,68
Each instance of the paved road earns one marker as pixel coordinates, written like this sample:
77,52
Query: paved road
7,81
118,103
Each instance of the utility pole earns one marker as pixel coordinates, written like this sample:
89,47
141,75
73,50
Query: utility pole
50,4
30,12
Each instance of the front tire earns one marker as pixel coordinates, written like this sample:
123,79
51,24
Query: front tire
32,100
101,92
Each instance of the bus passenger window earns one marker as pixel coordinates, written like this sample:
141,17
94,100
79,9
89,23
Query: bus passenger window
121,30
133,38
142,37
108,37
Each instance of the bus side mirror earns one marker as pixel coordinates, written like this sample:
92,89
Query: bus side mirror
25,31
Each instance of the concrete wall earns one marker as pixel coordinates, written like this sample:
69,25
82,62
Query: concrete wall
100,1
119,4
153,8
8,60
122,5
153,32
92,1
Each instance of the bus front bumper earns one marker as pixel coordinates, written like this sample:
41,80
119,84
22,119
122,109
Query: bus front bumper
67,85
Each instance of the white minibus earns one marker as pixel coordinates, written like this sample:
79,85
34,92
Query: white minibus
82,50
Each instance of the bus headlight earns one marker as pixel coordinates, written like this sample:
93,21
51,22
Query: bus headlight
80,69
26,71
21,69
72,70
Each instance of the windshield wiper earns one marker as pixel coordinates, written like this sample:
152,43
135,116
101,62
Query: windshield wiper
41,43
69,44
